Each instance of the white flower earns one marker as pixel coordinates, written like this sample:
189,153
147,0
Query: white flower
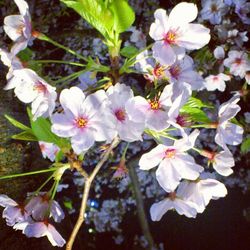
129,122
13,212
40,229
238,63
18,27
163,110
174,163
30,88
213,10
85,119
174,201
200,192
227,132
175,33
242,9
219,52
12,62
222,161
138,37
214,82
182,71
49,150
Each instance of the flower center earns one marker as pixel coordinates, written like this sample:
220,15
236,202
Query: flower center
215,78
120,115
158,71
238,61
40,87
81,122
214,8
172,196
154,104
170,37
175,71
20,29
170,153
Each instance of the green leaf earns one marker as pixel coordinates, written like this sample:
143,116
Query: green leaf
196,103
195,114
25,136
129,51
41,128
95,12
59,156
245,146
124,15
16,123
25,55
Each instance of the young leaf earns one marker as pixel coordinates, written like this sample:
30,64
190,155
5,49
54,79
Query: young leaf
129,51
196,103
196,114
124,15
245,146
25,136
16,123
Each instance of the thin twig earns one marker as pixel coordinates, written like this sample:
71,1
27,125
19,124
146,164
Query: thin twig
88,181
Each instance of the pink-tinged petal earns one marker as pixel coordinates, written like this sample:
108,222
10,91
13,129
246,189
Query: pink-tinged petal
63,125
158,209
157,120
194,36
33,203
12,215
182,13
54,237
223,162
82,141
12,25
185,208
159,27
152,158
20,45
22,6
72,99
5,201
167,176
57,212
163,53
36,229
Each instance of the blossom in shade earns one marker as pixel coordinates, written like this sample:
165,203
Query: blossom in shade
213,11
87,79
175,33
18,27
129,122
30,88
219,52
173,202
13,212
238,63
213,82
39,229
228,132
182,71
222,161
242,9
12,62
49,150
174,162
200,192
40,206
84,120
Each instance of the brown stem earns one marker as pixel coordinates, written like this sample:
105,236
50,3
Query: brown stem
88,181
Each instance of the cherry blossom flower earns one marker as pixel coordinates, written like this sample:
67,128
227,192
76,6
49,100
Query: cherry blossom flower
40,229
174,163
214,82
242,9
40,206
200,192
227,132
213,10
12,62
182,71
175,33
238,63
219,52
138,37
30,88
222,161
18,27
49,150
85,119
173,202
13,212
129,122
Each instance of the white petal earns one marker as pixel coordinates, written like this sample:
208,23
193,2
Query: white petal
37,230
158,209
22,6
5,201
223,162
184,208
54,237
11,26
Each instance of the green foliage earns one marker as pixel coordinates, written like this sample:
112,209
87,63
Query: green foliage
196,103
25,136
16,123
129,51
25,55
245,146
